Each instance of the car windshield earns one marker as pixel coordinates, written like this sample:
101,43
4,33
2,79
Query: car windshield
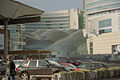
19,62
54,63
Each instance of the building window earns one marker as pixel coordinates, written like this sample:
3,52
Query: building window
91,47
105,23
105,31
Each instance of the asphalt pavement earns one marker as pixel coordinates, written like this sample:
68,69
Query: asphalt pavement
116,78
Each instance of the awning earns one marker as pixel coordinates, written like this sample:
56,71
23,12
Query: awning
13,9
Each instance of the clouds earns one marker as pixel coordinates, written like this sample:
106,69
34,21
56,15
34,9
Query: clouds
53,4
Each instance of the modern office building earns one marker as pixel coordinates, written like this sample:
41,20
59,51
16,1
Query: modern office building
17,38
61,19
102,16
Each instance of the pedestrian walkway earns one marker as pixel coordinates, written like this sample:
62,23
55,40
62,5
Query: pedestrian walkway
118,78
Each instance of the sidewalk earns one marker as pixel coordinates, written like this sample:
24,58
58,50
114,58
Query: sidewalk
118,78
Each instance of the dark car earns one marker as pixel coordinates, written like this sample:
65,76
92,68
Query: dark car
93,65
38,67
18,62
70,66
2,67
72,61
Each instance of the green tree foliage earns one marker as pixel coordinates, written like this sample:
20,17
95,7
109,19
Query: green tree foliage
81,21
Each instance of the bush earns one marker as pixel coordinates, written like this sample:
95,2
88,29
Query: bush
85,74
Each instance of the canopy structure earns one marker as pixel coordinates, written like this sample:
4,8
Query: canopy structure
13,9
10,11
29,52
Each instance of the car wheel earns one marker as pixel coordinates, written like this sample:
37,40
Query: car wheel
24,76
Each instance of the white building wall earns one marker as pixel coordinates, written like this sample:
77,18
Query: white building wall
93,26
74,18
93,23
72,13
102,44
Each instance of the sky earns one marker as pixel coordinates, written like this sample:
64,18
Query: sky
49,5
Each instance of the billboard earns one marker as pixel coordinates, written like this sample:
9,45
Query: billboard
1,41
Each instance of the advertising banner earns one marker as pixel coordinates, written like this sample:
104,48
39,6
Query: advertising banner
1,41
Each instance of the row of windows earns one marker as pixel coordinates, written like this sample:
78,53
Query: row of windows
105,12
105,31
103,7
99,2
54,21
105,23
54,17
32,30
54,14
27,25
35,28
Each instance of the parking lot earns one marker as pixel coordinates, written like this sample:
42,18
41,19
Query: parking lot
44,69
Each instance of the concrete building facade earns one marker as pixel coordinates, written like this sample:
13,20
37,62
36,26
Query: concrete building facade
102,16
61,19
108,43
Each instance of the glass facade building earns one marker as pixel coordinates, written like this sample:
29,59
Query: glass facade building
62,19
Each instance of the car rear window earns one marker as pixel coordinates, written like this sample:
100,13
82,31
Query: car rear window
32,63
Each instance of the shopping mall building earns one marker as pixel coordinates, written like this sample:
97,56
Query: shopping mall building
103,26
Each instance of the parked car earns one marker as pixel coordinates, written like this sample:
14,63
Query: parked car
93,65
38,67
70,66
18,62
2,67
72,61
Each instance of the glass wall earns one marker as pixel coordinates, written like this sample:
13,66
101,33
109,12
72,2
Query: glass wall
101,5
105,23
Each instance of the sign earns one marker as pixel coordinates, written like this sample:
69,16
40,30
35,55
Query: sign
1,41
